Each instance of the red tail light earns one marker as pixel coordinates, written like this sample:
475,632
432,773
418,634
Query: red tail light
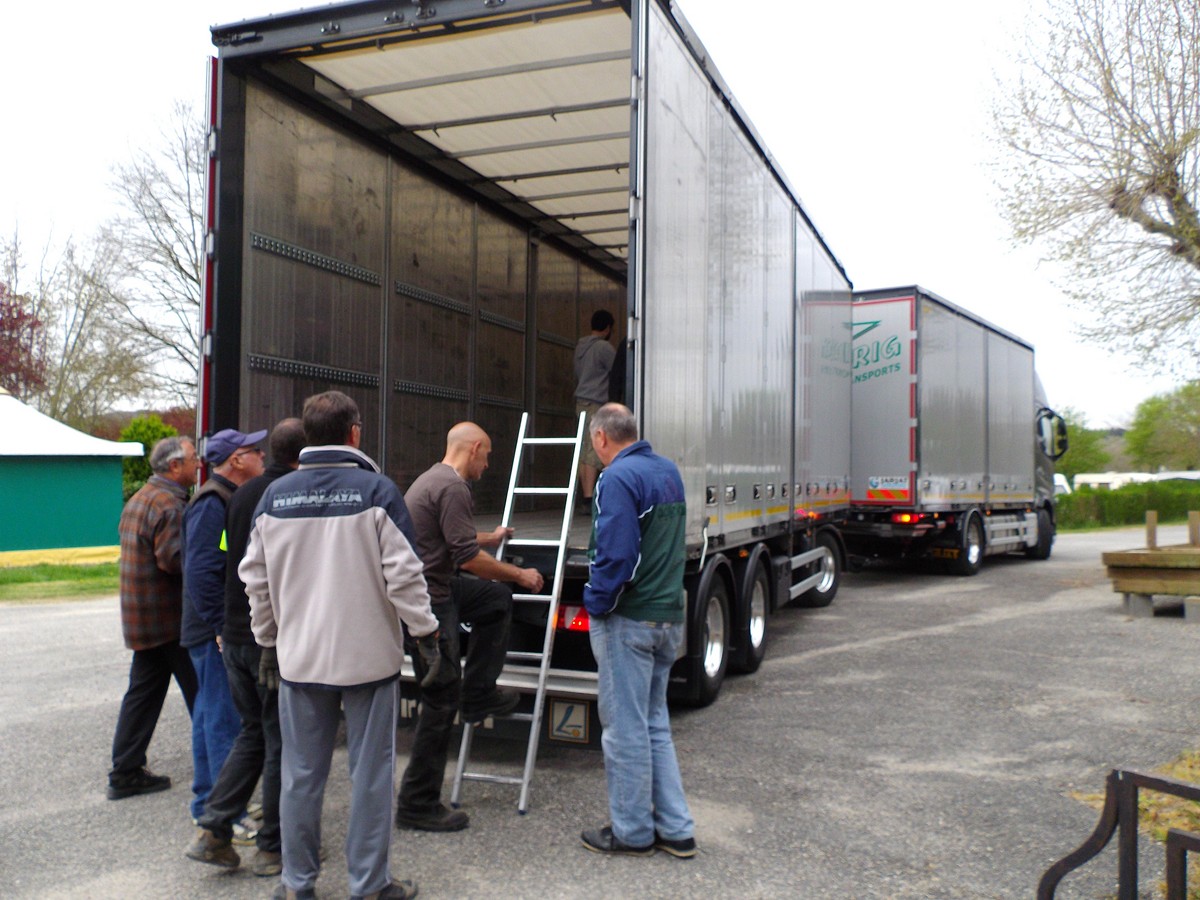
572,618
907,518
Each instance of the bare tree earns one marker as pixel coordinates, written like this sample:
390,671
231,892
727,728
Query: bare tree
162,248
1102,126
90,364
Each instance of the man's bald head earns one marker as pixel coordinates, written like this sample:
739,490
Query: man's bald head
467,449
464,433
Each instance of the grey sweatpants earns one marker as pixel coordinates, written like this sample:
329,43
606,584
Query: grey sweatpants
308,723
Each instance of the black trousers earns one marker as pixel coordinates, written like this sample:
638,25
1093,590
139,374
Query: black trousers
256,752
487,607
150,675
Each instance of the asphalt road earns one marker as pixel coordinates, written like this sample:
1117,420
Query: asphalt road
921,738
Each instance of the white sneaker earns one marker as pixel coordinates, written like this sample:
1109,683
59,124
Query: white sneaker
244,832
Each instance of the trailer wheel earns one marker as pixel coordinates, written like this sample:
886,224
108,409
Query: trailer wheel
711,637
751,645
1045,541
970,551
830,567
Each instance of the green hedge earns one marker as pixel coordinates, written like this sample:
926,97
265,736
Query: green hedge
1090,508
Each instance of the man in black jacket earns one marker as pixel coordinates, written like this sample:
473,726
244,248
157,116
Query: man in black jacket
256,751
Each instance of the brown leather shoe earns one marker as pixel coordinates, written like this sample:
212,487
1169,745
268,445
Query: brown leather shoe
265,863
208,848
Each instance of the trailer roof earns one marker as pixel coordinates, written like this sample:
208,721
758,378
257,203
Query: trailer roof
915,290
544,129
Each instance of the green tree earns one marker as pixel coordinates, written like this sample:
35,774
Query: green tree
149,430
1100,129
1085,447
1165,433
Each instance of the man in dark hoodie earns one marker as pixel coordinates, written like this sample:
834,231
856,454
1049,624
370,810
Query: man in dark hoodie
256,749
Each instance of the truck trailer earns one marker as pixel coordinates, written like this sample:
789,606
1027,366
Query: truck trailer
953,444
421,204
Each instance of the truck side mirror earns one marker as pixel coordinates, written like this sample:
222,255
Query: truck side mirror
1052,433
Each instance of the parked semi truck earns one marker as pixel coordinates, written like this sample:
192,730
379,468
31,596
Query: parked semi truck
953,443
421,204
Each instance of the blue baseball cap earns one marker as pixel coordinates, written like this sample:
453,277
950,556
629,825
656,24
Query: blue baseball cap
221,445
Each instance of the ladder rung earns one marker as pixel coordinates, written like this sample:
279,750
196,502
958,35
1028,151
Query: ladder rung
525,655
494,779
518,673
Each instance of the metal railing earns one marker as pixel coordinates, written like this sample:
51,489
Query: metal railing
1121,812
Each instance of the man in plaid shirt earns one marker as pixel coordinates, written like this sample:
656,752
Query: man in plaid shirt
151,603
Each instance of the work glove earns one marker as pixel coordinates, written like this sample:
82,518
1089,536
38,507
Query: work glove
268,669
431,656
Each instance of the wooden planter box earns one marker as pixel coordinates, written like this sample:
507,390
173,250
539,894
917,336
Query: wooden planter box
1172,571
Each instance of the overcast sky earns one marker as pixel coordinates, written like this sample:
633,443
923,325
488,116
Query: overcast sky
879,113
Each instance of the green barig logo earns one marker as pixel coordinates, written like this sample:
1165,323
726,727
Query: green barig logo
872,358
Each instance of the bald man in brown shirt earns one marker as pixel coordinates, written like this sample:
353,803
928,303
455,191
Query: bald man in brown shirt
442,511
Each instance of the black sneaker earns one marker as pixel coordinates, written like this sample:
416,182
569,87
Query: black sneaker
139,781
399,890
497,703
684,848
440,818
602,840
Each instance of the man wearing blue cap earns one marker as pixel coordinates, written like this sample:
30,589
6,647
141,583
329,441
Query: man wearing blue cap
233,459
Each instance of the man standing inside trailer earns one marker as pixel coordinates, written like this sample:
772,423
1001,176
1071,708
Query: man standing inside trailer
331,573
594,357
635,598
444,522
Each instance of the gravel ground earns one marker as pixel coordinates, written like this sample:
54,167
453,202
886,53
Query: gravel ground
924,737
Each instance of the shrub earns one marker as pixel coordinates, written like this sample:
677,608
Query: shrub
149,430
1090,508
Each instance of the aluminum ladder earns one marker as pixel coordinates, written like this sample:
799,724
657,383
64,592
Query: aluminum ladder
530,659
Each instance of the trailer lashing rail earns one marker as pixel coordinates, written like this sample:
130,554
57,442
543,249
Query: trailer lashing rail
1120,814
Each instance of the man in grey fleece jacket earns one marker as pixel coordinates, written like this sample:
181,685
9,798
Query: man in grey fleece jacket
331,572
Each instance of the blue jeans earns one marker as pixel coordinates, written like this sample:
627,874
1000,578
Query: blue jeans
215,722
645,790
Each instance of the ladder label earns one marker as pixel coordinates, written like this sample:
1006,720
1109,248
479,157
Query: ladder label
569,720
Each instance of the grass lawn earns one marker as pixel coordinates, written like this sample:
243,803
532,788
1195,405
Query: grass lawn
57,582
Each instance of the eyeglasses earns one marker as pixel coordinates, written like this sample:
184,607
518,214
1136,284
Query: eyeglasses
257,450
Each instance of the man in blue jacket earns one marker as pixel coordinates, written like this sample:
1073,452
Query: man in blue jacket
635,600
233,459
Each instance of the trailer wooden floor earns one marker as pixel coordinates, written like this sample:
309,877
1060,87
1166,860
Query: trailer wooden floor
545,525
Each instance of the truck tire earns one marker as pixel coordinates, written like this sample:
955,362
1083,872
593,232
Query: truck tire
830,567
970,550
751,645
1045,541
710,637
